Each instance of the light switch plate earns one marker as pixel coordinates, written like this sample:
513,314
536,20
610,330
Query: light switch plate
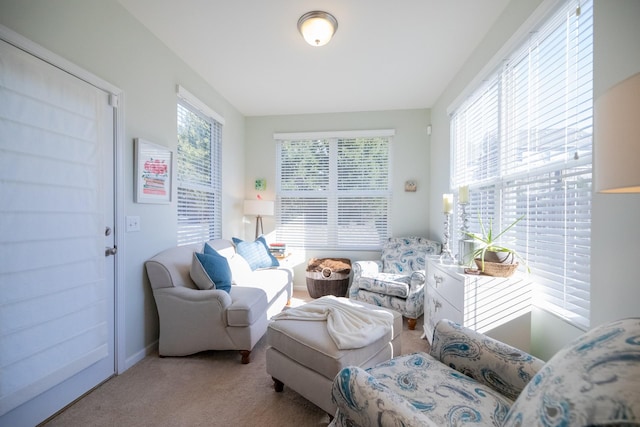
133,223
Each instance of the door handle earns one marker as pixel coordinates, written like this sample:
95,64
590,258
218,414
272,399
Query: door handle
110,251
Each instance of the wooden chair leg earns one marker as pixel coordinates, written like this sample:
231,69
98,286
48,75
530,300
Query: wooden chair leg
278,385
412,324
246,356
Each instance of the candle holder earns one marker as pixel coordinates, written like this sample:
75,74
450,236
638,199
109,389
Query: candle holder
464,220
466,245
446,250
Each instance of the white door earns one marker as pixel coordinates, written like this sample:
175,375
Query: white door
56,201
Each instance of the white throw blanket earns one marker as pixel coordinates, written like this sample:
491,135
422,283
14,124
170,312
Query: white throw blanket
349,325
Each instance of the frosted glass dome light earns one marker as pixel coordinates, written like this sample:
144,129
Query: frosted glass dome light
317,27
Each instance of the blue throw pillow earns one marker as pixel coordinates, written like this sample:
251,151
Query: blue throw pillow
215,267
256,253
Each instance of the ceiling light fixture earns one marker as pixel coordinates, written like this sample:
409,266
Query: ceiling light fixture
317,27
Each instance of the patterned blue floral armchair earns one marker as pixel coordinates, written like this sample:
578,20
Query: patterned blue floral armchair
397,280
471,379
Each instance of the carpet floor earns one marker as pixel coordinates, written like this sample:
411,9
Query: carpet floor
211,388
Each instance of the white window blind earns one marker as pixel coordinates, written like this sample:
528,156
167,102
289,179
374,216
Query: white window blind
334,192
522,143
199,173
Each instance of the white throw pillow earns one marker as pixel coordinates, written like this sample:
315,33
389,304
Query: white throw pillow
240,269
199,275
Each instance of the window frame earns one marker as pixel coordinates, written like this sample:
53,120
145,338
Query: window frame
199,216
516,186
339,217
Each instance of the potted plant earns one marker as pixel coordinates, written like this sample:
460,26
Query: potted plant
490,252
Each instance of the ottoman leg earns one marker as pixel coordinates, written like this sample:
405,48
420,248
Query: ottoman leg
278,385
246,356
411,323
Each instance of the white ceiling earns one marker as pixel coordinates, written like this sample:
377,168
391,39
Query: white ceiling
386,55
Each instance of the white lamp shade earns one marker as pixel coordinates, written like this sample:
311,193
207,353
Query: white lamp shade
317,27
617,138
259,207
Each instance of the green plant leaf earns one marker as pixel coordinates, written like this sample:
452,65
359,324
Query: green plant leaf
487,241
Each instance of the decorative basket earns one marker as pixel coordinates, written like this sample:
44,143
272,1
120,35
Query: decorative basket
496,269
328,276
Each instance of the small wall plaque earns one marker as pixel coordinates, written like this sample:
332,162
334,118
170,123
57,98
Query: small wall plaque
261,184
410,185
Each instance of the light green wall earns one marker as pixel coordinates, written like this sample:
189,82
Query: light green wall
410,158
103,38
100,36
615,291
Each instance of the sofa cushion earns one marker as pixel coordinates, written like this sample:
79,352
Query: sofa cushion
210,271
256,253
249,304
593,381
271,281
445,395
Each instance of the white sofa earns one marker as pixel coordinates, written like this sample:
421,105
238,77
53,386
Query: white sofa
194,320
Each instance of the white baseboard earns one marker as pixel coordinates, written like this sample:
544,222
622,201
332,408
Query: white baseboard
150,349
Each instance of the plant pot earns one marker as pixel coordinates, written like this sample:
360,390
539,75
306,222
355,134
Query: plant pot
496,269
466,247
499,257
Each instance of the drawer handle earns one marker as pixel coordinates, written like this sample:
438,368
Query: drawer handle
437,306
438,279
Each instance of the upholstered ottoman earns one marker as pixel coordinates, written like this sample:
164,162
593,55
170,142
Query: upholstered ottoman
302,355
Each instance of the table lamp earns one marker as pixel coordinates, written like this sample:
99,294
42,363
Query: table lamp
617,138
259,208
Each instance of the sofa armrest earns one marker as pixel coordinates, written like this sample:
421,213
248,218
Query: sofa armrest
217,297
190,319
363,401
502,367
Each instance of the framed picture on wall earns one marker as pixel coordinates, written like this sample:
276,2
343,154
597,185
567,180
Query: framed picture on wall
153,170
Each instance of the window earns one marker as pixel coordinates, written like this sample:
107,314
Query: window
199,165
522,143
334,189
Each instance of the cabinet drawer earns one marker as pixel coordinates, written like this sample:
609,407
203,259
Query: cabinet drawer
450,287
437,308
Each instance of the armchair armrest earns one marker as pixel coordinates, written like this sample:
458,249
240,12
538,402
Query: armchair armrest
418,278
363,401
366,268
502,367
360,269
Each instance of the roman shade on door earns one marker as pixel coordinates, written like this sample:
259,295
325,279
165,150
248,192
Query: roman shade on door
56,285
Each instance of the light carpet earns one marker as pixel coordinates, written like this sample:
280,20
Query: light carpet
206,389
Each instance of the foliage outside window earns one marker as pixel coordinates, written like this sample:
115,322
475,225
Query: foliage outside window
199,175
334,189
522,143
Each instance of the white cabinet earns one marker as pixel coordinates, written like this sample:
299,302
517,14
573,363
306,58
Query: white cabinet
478,302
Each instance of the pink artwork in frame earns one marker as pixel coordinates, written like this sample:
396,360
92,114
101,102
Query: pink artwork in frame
153,172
